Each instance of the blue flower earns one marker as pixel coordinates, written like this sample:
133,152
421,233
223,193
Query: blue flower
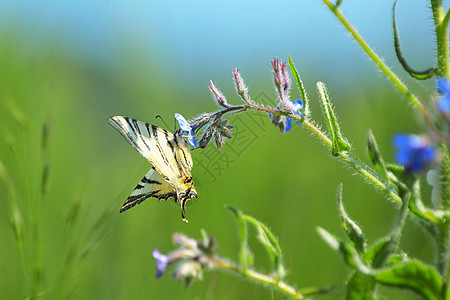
443,87
162,261
297,105
184,125
285,123
414,151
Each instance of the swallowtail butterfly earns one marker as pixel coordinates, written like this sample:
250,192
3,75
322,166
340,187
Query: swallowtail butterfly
168,153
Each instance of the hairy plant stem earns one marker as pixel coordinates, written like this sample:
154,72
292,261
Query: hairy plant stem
398,229
442,42
249,105
260,277
379,62
345,156
441,28
444,230
353,162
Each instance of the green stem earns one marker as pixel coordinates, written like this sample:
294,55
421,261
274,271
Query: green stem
364,171
358,166
262,278
445,177
397,231
441,28
444,238
318,133
378,61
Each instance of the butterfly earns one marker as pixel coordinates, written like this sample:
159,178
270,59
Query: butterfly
168,153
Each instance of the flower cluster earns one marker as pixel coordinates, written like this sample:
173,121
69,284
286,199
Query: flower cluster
217,128
192,258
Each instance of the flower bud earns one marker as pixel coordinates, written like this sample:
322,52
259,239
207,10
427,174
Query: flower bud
218,95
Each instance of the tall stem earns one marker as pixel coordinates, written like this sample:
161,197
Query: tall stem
442,43
441,28
444,234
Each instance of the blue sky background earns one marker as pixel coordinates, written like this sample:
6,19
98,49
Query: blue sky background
204,39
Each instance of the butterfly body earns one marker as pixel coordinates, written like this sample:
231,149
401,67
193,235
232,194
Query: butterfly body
168,153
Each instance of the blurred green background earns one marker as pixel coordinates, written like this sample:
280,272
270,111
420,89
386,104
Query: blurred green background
66,68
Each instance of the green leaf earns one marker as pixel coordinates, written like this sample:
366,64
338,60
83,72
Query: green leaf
375,155
396,259
328,238
397,170
415,276
444,23
270,243
349,253
265,237
302,89
352,258
378,255
353,231
361,287
419,209
339,144
245,255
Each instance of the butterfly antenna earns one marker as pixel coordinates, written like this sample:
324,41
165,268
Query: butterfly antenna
158,116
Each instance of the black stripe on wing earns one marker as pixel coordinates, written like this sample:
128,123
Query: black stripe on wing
131,130
146,188
181,146
173,145
159,138
138,199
